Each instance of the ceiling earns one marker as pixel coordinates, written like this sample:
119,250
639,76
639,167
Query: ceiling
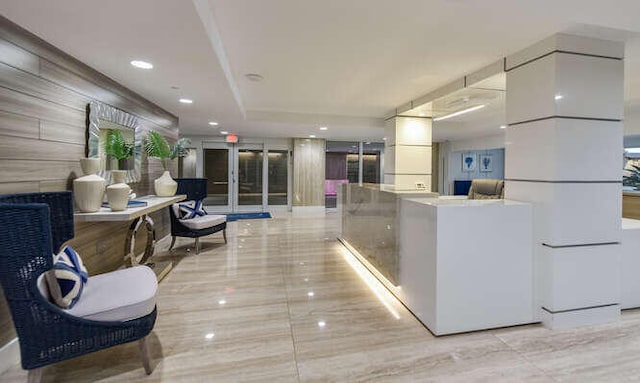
340,64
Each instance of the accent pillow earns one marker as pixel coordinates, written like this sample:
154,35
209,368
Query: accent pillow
191,209
67,279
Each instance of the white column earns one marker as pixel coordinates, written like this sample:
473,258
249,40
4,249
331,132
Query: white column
563,147
407,157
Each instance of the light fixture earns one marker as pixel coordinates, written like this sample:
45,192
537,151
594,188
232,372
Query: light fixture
321,323
323,128
209,335
310,294
186,101
559,97
213,123
224,132
463,111
503,126
254,77
312,136
141,64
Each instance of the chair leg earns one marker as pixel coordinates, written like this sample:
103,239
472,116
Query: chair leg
197,246
35,375
145,355
173,242
224,234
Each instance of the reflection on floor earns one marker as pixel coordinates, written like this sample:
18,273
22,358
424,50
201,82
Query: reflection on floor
282,302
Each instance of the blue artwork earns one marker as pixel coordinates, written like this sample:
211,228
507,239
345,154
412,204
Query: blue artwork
468,162
486,163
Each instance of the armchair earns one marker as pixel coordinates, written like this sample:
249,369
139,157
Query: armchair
196,190
485,188
33,227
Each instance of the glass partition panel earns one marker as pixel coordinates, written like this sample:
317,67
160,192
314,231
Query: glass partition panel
278,176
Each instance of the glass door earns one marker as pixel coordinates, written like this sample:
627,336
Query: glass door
218,161
249,182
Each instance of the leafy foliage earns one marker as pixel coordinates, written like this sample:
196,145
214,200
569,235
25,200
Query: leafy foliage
116,146
157,146
632,178
179,149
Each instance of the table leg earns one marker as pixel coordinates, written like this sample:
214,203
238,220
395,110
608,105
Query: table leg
131,259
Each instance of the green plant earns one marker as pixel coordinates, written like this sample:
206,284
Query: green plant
156,145
117,147
632,178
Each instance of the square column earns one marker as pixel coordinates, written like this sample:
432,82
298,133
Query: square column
565,100
407,158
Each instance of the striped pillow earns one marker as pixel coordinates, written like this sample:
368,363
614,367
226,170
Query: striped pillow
67,279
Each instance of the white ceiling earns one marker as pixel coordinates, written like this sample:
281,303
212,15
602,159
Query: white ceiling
341,64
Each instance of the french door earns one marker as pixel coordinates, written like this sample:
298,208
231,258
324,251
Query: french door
241,179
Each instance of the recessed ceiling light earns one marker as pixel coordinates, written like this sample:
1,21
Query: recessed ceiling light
322,323
213,123
559,97
323,128
141,64
186,101
254,77
310,294
503,126
312,136
224,132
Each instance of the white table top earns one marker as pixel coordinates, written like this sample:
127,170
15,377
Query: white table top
105,214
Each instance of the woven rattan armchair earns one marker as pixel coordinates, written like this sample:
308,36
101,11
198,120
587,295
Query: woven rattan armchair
32,228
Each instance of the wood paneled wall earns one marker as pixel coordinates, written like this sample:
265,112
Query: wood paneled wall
44,95
308,171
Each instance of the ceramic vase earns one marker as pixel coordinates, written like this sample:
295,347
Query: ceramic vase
118,196
118,176
165,186
88,190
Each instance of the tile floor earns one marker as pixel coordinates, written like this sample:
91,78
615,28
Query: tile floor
280,303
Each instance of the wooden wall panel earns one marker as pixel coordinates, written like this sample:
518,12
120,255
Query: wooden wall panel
308,171
43,117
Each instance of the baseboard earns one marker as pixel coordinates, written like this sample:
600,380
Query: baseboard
580,317
9,355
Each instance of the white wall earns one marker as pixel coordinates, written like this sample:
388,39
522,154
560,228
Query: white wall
446,148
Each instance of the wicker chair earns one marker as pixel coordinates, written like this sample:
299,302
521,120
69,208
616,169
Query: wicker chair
195,189
32,227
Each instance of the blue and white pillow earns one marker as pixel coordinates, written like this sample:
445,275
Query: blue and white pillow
191,209
67,279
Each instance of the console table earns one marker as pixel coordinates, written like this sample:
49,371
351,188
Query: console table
140,217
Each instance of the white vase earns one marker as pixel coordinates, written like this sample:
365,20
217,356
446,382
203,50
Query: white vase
118,176
165,186
88,190
118,196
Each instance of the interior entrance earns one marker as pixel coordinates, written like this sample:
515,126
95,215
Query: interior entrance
242,179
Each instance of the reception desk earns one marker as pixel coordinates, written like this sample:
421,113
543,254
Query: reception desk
458,265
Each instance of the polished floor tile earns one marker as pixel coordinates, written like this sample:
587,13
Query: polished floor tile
282,303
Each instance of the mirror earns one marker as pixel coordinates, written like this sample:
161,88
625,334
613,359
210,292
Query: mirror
105,120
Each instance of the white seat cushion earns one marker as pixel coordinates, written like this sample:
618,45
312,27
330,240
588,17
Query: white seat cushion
119,296
204,222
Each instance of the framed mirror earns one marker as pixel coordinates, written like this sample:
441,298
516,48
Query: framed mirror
106,121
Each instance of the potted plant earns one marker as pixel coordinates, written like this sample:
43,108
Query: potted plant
156,145
118,148
632,178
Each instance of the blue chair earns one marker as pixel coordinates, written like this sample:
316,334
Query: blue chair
33,227
195,189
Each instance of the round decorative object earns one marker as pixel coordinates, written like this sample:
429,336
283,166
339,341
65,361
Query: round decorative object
165,186
88,190
118,196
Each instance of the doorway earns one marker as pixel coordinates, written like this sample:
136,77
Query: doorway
245,177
